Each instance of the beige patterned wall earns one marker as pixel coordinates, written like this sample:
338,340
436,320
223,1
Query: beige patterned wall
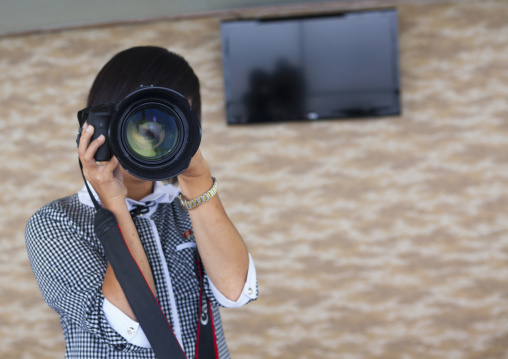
380,238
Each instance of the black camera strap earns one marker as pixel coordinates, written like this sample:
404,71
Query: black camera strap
142,300
206,345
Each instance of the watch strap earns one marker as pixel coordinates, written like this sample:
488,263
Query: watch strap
188,205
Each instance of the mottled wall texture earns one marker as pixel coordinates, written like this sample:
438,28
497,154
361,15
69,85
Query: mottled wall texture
378,238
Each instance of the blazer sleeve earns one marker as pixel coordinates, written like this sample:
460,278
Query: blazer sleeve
69,270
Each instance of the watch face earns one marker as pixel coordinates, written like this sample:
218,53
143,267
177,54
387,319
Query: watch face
183,202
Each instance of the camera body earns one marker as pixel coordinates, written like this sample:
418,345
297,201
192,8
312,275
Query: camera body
153,132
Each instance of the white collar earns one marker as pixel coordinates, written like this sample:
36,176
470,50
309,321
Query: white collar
161,194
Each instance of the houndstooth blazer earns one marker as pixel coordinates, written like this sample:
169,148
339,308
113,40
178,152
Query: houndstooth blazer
69,264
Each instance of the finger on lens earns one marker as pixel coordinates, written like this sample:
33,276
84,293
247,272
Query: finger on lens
112,164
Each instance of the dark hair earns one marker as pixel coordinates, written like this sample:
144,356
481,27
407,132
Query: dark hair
145,65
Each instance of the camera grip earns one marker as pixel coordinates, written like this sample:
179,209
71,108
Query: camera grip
103,152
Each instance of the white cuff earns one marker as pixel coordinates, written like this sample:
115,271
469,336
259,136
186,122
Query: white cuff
125,326
249,291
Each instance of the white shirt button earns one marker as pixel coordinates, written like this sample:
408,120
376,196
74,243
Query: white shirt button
250,291
131,331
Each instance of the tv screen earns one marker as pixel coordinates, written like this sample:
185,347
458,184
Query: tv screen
310,68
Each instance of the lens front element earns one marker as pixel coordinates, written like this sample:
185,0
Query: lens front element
152,134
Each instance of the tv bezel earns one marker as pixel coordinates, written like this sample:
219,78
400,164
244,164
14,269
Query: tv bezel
395,110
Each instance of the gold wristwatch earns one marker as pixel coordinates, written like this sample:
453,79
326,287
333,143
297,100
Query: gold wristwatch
188,205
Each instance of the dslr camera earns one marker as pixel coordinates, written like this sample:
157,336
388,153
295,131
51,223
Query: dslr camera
153,132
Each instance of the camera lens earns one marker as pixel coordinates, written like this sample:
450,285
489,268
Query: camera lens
152,134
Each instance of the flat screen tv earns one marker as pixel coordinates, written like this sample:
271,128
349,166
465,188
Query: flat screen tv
310,68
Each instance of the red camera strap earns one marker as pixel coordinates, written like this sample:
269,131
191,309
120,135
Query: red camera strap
206,331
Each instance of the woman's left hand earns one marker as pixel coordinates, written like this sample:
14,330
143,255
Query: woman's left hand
196,179
220,246
198,167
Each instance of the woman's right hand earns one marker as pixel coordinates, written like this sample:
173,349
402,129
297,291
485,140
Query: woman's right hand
106,177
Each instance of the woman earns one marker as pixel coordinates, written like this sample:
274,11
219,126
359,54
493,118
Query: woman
68,260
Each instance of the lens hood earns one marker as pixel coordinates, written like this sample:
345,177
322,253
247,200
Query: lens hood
154,133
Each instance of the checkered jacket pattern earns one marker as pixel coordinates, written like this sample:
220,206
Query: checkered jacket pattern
69,265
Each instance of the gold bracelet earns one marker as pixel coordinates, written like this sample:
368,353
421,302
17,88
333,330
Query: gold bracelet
188,205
